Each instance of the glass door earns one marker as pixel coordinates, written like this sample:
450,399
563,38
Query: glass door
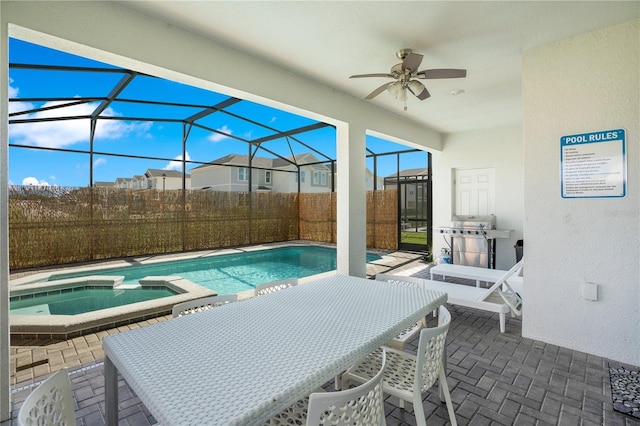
414,213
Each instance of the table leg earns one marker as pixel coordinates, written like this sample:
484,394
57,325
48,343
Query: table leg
110,392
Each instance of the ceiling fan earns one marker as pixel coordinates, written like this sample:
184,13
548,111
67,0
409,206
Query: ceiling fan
405,74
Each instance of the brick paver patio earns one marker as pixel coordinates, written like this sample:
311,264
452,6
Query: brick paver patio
495,379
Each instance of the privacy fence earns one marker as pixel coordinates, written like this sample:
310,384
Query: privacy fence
54,225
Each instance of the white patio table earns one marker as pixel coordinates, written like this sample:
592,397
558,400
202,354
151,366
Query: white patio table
242,363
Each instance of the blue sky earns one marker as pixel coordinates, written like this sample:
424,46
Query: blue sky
162,140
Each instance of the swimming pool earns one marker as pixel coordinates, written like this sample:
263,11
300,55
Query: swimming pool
48,318
233,273
82,299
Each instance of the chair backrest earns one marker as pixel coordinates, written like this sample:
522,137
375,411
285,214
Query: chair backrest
50,403
202,304
273,286
400,280
502,288
362,405
430,354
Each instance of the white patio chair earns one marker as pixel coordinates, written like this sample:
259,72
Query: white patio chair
362,405
499,298
273,286
50,403
408,376
202,304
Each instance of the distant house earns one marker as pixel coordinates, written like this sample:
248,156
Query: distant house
369,180
124,183
231,173
391,181
155,179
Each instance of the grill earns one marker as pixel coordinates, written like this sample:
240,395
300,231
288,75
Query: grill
473,239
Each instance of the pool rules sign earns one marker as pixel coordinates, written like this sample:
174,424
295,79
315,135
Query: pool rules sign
593,165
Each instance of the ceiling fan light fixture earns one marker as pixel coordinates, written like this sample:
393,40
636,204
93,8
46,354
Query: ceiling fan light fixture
395,89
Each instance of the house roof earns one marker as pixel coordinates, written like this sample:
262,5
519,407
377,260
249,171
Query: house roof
166,173
411,172
240,160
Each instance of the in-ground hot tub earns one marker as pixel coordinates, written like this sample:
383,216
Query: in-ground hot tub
41,320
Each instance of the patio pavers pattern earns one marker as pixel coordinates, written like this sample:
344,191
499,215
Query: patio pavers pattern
495,379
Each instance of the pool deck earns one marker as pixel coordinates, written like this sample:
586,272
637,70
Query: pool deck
68,327
31,357
495,378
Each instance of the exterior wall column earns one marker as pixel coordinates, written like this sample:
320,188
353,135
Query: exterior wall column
5,396
351,202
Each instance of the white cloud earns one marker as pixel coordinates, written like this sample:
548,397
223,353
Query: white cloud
176,164
17,106
273,120
60,134
99,162
217,137
32,181
13,91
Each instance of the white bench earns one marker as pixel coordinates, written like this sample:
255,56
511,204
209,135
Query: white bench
476,273
467,272
499,298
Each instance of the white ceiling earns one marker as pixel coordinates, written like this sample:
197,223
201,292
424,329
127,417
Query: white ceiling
328,41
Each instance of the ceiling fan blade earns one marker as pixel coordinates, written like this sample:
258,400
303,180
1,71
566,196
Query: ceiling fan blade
379,90
418,90
412,62
424,95
442,73
373,75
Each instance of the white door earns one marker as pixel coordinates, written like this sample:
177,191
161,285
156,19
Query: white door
475,192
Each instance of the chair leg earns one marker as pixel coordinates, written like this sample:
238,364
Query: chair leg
503,322
444,388
337,383
418,410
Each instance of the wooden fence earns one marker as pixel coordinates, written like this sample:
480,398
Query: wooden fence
53,225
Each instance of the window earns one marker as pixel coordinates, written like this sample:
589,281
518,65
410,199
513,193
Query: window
323,179
243,174
267,176
302,174
316,178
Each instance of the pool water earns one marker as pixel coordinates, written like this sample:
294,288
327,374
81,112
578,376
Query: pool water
78,300
232,273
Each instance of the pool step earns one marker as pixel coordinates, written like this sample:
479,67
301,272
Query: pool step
126,286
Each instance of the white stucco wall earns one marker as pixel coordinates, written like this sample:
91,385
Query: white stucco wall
584,84
499,148
5,406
